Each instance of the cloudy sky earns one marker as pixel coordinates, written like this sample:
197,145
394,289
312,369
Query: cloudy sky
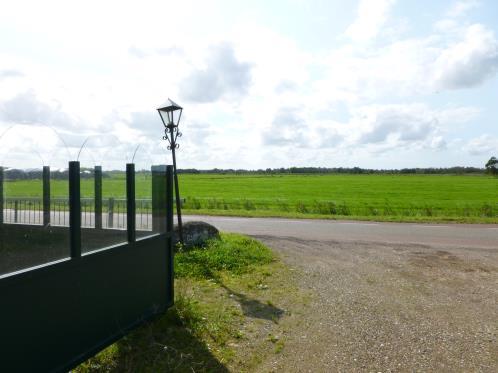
372,83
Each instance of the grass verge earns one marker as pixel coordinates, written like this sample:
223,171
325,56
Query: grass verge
232,308
378,218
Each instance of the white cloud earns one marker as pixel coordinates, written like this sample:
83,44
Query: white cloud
438,143
372,15
483,145
398,124
459,8
223,76
288,127
375,128
10,73
411,67
26,108
468,62
408,125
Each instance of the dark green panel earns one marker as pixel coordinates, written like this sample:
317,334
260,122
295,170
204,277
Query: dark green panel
58,315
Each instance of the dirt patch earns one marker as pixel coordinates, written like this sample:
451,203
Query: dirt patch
440,259
390,307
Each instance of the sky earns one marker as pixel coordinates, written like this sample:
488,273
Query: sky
325,83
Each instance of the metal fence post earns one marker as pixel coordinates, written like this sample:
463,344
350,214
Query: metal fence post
159,199
130,202
110,213
1,195
169,230
74,209
98,196
46,196
16,209
169,199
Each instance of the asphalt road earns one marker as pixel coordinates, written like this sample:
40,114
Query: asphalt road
455,235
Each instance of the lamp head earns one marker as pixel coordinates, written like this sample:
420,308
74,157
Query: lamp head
170,114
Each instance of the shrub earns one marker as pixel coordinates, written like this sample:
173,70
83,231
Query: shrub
301,207
428,210
487,210
344,209
282,205
388,211
372,211
193,203
248,205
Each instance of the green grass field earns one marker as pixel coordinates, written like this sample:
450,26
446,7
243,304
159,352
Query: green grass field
461,198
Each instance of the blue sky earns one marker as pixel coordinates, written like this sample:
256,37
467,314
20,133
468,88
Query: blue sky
377,83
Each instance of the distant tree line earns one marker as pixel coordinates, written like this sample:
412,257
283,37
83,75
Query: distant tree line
87,173
337,170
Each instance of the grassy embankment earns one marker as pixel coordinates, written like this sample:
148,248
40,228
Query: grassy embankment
231,310
458,198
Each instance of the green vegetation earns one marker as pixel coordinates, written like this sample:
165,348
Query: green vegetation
411,197
235,254
492,166
227,298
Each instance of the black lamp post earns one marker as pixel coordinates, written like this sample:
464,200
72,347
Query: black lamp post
170,115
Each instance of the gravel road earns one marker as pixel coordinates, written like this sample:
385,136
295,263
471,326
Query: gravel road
419,299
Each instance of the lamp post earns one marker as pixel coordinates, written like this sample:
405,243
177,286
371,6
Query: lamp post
170,115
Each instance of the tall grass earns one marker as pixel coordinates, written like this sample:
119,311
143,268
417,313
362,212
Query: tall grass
341,208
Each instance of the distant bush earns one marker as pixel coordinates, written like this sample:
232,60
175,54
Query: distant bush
343,209
487,210
301,208
248,205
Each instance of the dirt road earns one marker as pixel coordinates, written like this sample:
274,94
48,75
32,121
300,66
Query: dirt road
386,297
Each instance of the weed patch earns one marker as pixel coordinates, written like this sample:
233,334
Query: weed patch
232,253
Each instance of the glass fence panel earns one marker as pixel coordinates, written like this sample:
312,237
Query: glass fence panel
143,202
29,233
143,190
103,193
58,206
103,208
88,179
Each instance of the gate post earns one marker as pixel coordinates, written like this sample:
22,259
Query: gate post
110,213
159,199
130,202
74,209
169,199
46,196
170,231
97,173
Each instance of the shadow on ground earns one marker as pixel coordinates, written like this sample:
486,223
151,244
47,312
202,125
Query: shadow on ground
163,345
250,307
254,308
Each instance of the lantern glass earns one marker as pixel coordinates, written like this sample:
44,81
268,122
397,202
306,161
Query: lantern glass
170,113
